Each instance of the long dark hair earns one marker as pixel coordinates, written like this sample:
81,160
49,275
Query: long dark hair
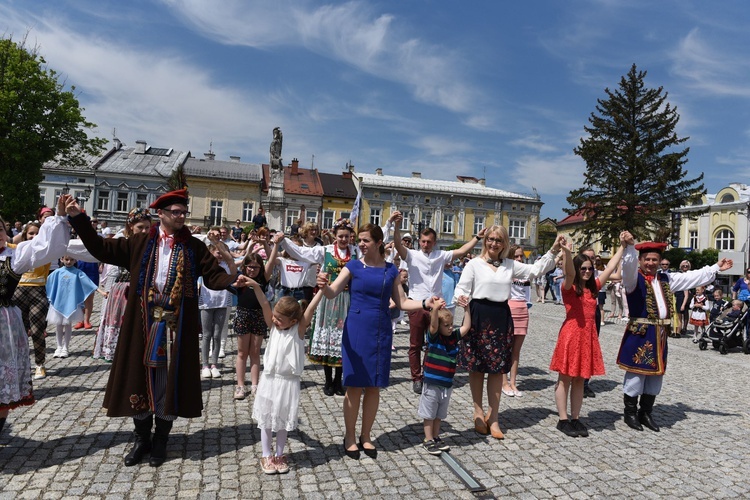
254,257
578,283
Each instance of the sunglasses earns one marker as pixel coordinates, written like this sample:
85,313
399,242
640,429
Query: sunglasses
587,269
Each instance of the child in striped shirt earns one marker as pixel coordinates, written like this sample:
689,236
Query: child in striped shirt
439,369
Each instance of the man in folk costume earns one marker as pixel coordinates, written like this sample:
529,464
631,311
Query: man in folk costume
156,370
643,351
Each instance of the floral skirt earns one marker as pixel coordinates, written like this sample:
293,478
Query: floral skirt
250,321
15,364
325,341
487,346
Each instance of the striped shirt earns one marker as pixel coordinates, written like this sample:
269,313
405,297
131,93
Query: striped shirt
440,361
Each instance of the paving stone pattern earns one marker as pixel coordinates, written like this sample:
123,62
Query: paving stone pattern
65,447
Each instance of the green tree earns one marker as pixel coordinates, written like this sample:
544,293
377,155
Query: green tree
39,121
634,164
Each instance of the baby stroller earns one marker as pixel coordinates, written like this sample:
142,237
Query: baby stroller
726,332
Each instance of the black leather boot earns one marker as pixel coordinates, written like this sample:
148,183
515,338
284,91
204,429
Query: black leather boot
159,445
338,389
142,445
631,412
644,413
328,389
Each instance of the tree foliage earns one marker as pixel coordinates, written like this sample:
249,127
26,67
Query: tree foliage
697,260
634,164
39,121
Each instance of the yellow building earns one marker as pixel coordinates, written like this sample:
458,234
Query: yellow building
339,193
222,191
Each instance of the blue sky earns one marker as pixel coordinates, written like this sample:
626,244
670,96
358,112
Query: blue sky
486,88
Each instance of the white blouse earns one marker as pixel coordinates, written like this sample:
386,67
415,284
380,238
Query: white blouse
480,280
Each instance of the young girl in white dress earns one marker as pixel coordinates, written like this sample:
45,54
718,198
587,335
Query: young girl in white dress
276,404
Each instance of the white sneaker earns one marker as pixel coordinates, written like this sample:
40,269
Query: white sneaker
206,372
57,353
215,373
64,352
221,353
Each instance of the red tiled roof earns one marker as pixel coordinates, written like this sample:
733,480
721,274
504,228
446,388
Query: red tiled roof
305,181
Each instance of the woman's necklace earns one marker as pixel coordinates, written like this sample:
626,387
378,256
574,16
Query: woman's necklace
494,262
338,256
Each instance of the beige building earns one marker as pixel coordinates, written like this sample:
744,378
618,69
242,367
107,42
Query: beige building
456,210
222,191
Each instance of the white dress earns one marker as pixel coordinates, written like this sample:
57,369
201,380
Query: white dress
276,404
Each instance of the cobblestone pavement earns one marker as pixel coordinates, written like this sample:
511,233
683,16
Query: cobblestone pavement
65,447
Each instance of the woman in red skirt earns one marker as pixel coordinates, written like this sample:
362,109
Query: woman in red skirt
577,354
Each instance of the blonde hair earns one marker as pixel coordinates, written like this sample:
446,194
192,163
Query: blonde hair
503,235
445,315
289,307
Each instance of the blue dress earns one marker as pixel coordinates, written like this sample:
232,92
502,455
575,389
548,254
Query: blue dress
367,338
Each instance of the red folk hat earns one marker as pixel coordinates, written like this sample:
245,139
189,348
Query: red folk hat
651,246
180,196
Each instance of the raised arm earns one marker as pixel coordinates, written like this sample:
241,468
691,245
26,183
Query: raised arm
614,263
569,271
307,317
227,257
434,318
466,324
273,256
314,255
404,303
400,248
469,245
263,301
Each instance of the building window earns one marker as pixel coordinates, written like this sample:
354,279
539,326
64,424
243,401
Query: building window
103,201
328,218
693,240
405,222
292,216
426,219
216,214
247,211
346,215
311,216
122,202
448,223
375,216
478,223
141,200
42,196
517,229
725,240
727,198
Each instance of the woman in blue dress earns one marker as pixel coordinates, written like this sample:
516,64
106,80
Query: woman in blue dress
367,337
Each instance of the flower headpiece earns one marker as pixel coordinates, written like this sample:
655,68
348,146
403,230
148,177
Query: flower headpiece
138,214
343,223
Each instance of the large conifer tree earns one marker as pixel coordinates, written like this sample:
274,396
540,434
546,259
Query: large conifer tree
634,164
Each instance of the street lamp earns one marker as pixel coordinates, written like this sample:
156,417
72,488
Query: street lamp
86,195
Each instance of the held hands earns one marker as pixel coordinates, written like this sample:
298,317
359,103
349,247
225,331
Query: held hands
244,281
438,304
560,242
67,204
395,217
481,233
626,239
463,301
322,280
277,238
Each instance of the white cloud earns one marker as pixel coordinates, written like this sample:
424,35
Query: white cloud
351,33
553,175
710,69
442,146
159,97
536,143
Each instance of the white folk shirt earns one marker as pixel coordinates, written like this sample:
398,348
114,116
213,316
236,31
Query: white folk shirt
164,256
480,280
677,281
426,272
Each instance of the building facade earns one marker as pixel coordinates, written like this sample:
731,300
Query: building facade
718,221
121,179
222,191
456,210
339,195
302,200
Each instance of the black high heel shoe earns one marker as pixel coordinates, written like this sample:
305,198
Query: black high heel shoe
354,454
370,452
